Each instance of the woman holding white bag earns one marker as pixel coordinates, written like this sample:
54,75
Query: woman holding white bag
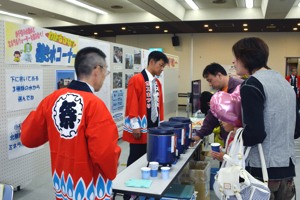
269,117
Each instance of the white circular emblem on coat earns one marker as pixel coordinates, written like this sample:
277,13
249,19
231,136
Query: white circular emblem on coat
67,114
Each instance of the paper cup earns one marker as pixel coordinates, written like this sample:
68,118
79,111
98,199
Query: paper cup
154,168
145,172
215,147
165,171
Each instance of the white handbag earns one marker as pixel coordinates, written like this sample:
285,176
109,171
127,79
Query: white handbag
233,181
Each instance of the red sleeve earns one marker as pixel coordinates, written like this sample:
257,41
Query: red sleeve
34,128
133,98
102,138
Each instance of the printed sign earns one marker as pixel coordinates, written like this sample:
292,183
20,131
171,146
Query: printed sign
24,88
14,145
32,45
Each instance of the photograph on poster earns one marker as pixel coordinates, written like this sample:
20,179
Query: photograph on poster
118,55
128,61
117,80
64,78
127,77
137,56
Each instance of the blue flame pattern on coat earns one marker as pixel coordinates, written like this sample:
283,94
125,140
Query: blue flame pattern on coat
66,190
142,122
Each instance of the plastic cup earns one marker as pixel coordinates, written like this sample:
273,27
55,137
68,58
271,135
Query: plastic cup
215,147
145,172
154,168
165,171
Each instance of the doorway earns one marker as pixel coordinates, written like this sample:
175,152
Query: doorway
292,63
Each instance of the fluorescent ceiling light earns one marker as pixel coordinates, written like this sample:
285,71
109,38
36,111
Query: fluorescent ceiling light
192,4
14,15
299,4
77,3
249,3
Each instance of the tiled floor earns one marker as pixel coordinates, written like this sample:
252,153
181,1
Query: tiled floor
41,189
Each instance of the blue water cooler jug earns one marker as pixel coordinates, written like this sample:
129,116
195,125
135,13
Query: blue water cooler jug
161,145
188,127
179,130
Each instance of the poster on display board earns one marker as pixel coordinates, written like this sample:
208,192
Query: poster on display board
105,47
117,100
15,147
117,108
33,45
24,88
145,54
173,61
117,80
137,59
127,77
117,55
119,119
64,78
128,61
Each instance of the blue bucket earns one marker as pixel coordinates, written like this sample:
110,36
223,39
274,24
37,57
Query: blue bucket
179,130
188,128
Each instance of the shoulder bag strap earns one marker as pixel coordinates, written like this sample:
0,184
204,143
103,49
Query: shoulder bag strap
262,161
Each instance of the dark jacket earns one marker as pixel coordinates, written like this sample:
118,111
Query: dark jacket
210,121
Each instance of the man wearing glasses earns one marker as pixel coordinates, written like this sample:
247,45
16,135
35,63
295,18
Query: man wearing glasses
81,132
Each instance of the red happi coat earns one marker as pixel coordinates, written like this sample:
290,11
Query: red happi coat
137,102
82,138
289,79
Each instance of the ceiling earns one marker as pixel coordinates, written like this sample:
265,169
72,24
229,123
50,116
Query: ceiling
141,16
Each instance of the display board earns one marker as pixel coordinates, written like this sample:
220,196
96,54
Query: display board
36,61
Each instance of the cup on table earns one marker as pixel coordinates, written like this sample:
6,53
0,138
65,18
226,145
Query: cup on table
165,171
154,168
215,147
145,172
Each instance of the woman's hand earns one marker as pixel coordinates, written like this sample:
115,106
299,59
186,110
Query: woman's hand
217,155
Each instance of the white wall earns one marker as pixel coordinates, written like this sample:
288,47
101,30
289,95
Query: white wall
214,47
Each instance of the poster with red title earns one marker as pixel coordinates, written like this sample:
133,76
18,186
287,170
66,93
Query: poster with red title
33,45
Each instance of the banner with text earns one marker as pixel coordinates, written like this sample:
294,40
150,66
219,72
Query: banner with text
32,45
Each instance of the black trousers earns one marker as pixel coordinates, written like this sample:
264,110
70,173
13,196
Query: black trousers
135,152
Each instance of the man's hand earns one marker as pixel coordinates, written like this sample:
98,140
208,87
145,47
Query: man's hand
136,133
196,138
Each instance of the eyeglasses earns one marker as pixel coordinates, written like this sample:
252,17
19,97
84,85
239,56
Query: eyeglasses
107,72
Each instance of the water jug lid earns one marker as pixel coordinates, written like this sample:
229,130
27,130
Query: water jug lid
180,119
161,130
175,124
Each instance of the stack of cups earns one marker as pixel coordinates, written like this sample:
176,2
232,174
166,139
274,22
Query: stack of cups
145,172
154,168
165,171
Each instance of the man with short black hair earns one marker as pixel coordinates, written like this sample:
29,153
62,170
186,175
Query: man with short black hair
218,79
81,132
144,105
